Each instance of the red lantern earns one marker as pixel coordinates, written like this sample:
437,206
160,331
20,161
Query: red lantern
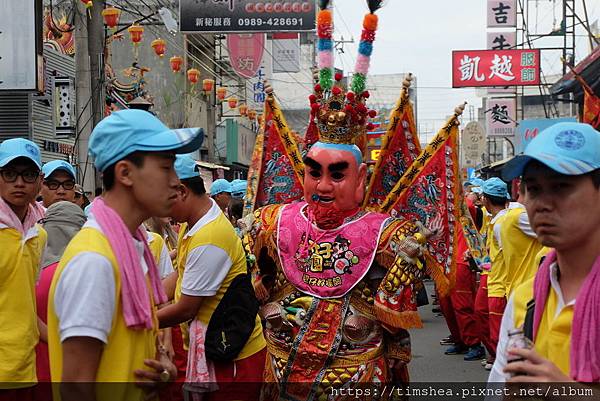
88,3
232,102
193,75
243,109
175,62
208,85
221,93
135,33
159,47
111,16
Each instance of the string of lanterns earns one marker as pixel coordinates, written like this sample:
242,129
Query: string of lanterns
111,17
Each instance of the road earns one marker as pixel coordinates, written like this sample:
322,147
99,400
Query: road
429,364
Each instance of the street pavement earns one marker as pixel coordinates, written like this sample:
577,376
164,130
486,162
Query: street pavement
429,364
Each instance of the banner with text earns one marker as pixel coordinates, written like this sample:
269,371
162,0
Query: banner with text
501,115
514,67
286,52
225,16
501,13
529,129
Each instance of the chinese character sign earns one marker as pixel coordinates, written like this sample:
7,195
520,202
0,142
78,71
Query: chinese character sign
246,52
501,13
225,16
501,117
501,40
286,52
472,145
495,68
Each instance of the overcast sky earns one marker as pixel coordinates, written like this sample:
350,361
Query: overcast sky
418,36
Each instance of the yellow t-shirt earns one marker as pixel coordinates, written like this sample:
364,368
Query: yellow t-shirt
498,273
220,233
126,348
519,251
485,222
553,339
20,259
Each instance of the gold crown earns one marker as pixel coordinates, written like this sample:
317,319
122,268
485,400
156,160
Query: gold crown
341,116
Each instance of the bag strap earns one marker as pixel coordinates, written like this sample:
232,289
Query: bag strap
528,324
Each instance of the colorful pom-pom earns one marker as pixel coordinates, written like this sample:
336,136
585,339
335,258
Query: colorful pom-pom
325,78
324,44
312,99
324,17
370,126
314,107
358,83
336,90
362,64
348,108
365,48
325,31
372,113
338,76
318,88
370,22
325,60
367,35
350,96
361,108
366,94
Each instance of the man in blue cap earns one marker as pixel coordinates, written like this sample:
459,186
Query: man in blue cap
59,182
21,245
560,306
210,260
102,303
238,188
220,191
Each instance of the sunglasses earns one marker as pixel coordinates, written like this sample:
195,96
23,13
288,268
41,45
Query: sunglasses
53,185
29,176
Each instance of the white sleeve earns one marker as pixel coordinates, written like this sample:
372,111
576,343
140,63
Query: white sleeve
525,226
205,269
84,299
497,374
165,266
497,236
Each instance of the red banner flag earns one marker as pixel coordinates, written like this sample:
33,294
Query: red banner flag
430,192
591,109
400,147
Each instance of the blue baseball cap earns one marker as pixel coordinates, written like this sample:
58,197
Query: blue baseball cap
54,165
568,148
238,188
495,187
186,167
19,147
127,131
220,185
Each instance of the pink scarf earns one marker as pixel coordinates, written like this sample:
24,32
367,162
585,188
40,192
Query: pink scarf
137,310
10,219
585,333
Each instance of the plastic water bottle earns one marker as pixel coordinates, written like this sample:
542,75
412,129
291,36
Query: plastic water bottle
517,339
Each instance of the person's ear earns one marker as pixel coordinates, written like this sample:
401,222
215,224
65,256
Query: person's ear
124,170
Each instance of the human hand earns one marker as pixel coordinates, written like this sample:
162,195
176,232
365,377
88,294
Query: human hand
533,369
151,381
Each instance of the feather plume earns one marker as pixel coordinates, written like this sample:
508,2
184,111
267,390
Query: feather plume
374,5
323,4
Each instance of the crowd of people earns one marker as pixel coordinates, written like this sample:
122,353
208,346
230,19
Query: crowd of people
124,289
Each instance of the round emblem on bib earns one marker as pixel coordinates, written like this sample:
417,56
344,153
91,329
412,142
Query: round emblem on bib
31,149
570,140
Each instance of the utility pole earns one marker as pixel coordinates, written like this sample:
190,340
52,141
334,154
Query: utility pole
96,54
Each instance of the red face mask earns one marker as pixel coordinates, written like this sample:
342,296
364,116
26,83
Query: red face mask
334,185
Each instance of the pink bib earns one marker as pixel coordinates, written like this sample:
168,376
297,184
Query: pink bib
329,263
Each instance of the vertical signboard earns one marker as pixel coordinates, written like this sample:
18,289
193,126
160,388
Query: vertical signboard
501,117
246,52
501,13
472,145
501,40
286,52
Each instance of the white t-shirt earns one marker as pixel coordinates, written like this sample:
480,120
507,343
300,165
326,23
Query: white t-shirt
165,266
497,373
84,299
206,266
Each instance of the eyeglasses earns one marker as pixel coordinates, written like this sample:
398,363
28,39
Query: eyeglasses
29,176
52,184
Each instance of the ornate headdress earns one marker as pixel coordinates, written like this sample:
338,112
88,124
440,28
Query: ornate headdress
341,116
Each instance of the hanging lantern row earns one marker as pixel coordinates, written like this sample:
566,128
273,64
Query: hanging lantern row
208,85
193,75
243,109
87,3
135,33
159,47
111,16
221,93
175,62
252,114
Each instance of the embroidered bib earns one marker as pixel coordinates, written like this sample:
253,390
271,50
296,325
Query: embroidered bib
326,263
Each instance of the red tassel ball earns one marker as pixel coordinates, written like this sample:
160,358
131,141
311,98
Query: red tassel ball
338,76
372,113
312,99
350,96
336,90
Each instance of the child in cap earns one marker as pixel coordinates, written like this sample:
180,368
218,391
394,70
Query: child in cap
21,242
102,304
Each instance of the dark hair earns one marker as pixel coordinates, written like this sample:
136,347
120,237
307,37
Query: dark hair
496,200
98,191
195,185
595,175
108,175
236,208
